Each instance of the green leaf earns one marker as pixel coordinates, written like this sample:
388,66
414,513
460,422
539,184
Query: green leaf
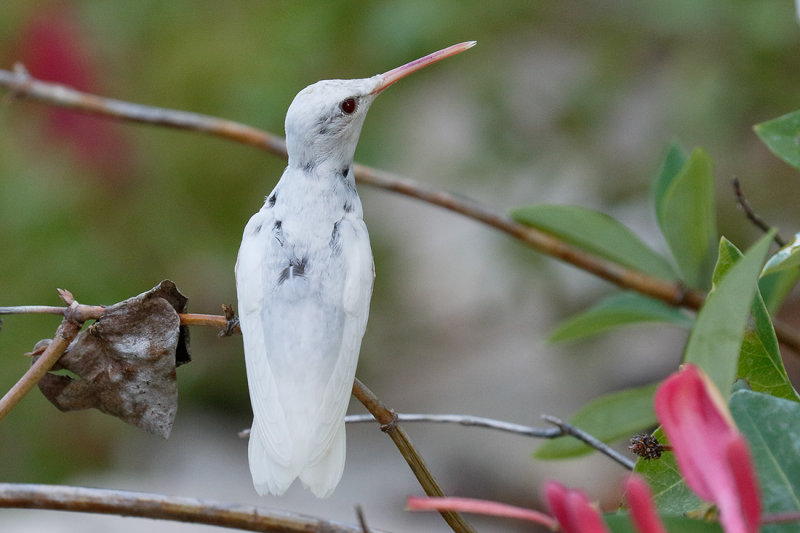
760,362
781,137
618,310
609,418
772,427
673,163
597,233
620,523
670,491
716,338
686,215
775,287
786,257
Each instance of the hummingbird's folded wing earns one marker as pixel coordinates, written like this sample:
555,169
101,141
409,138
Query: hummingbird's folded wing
270,446
325,468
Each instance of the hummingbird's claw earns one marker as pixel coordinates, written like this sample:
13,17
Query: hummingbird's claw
233,321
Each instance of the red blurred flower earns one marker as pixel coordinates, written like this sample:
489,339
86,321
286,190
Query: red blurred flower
53,47
711,453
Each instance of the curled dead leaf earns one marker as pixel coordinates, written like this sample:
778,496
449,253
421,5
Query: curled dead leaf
125,362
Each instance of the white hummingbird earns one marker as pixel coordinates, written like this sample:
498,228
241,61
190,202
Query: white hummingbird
304,280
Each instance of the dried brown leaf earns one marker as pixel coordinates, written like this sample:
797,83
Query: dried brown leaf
125,362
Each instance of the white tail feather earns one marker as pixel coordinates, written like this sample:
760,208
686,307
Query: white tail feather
322,477
269,476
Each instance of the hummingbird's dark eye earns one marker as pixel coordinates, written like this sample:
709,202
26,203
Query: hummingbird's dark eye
348,105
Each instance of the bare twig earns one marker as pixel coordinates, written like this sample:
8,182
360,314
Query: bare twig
66,332
466,420
389,425
751,215
362,520
568,429
159,506
24,86
32,310
94,312
562,429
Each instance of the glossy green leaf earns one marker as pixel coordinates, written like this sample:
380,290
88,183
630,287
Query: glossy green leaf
787,257
609,418
597,233
772,427
781,137
686,215
673,163
760,362
620,523
670,491
618,310
716,338
776,286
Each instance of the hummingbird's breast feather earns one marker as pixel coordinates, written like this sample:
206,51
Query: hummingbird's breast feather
304,281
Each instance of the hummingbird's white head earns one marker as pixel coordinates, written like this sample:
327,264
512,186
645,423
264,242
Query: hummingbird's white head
324,121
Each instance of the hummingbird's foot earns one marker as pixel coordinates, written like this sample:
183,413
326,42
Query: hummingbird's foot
233,322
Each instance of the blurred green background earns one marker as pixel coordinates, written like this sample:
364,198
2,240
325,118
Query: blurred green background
568,102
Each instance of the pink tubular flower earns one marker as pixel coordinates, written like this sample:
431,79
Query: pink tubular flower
711,453
643,512
573,510
471,505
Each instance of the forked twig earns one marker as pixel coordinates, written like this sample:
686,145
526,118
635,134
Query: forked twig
389,425
594,442
751,215
68,329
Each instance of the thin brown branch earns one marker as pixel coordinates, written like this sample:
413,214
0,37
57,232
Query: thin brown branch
751,215
389,425
211,321
32,310
94,312
159,506
362,520
672,293
70,326
23,86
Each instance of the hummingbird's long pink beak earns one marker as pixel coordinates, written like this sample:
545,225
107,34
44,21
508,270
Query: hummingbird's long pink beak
388,78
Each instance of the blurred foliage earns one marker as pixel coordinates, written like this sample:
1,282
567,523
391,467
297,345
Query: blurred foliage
603,84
